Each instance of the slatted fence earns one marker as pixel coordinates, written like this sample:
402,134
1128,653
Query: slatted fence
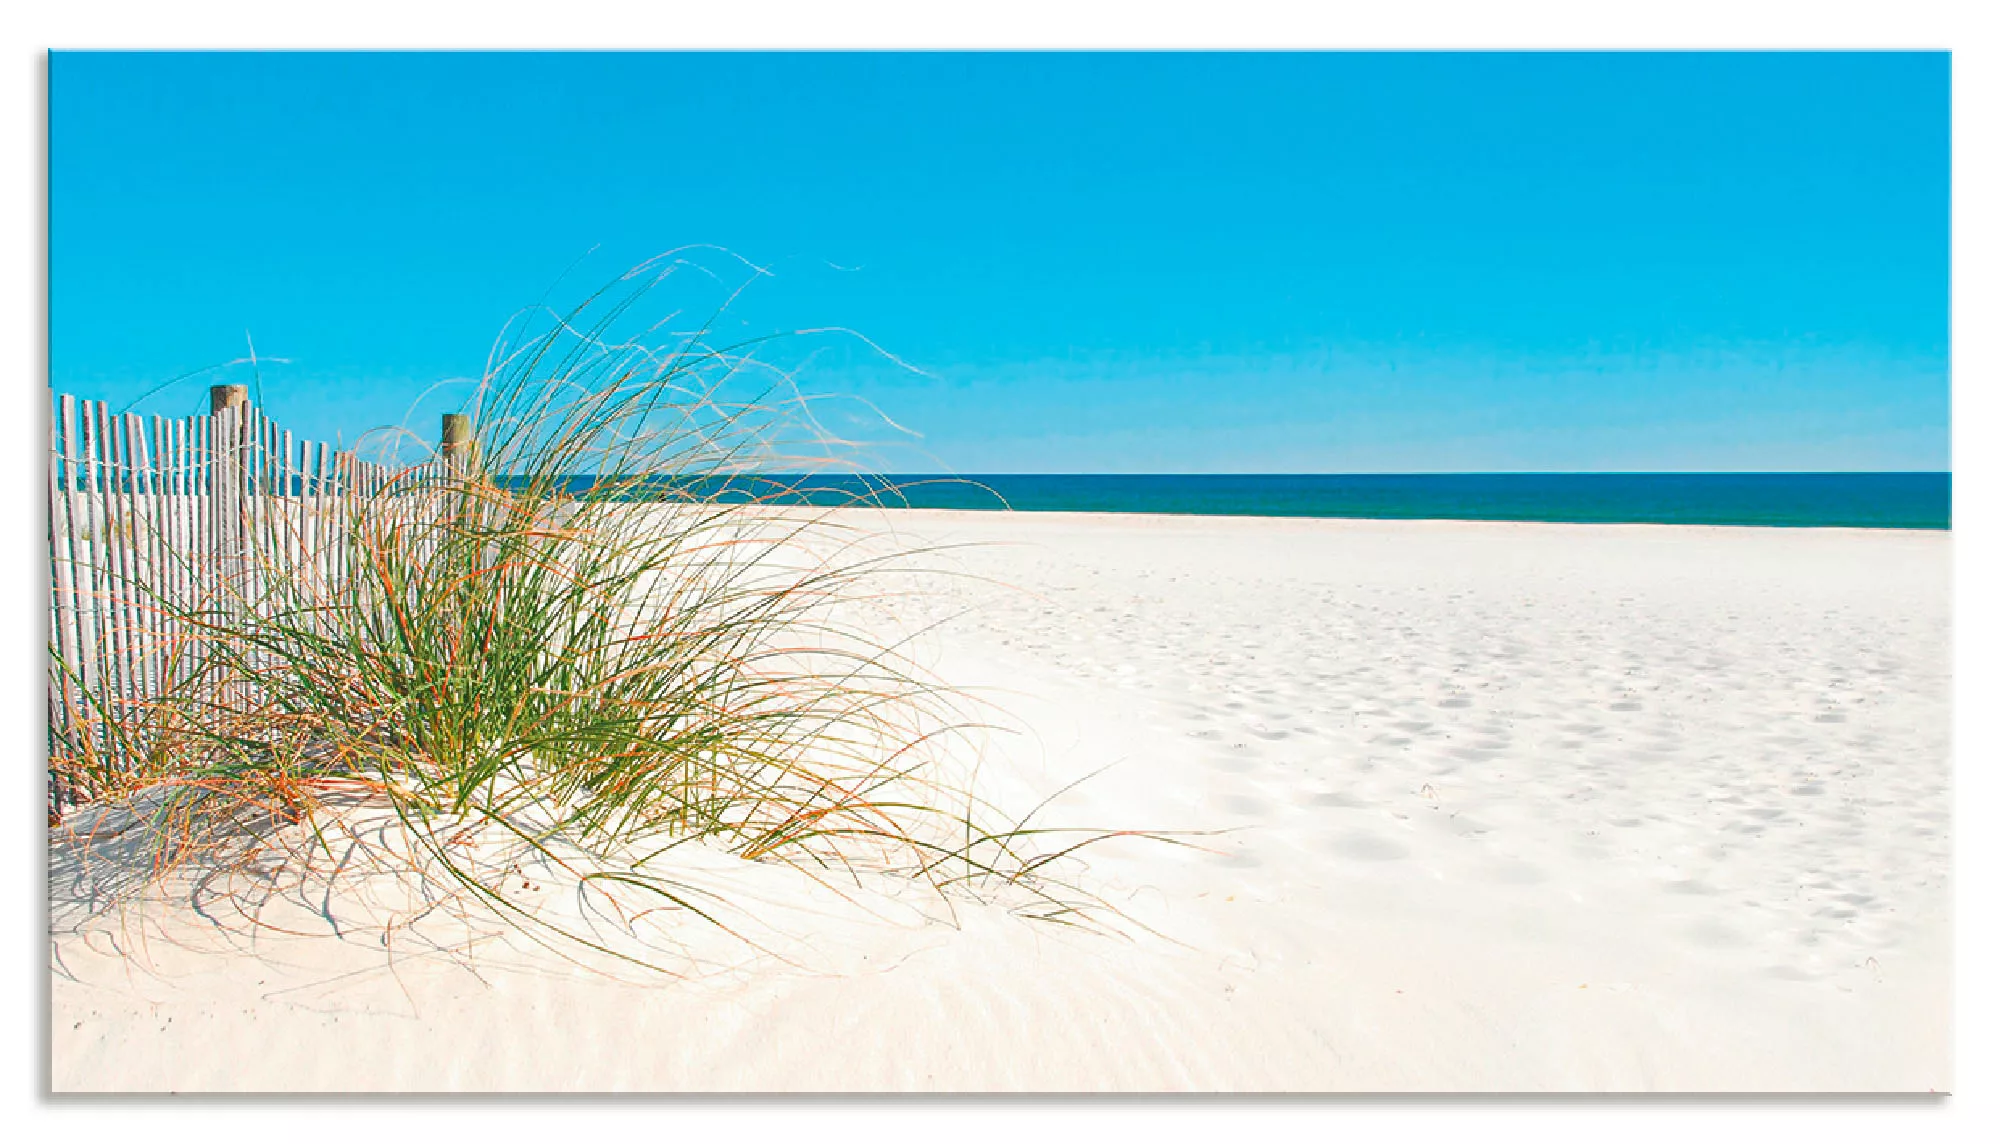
155,520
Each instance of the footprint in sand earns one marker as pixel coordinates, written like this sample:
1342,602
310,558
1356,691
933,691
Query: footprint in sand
1514,872
1367,847
1245,805
1715,935
1788,973
1462,825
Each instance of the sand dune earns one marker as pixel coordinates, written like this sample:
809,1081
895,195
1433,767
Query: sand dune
1488,807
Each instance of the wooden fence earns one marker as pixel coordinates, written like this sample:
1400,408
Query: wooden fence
155,520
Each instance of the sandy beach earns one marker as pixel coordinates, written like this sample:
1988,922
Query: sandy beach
1485,807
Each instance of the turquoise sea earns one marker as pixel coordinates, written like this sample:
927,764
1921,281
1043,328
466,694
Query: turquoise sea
1788,500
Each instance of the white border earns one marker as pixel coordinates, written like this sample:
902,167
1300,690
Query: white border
34,27
1054,24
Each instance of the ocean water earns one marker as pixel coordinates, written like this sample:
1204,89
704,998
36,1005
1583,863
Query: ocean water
1790,500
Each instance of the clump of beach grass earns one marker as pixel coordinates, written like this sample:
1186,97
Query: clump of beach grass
601,630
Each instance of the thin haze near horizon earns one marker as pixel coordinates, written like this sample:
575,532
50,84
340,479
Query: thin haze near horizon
1058,263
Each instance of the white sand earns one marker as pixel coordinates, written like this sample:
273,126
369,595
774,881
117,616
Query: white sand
1510,807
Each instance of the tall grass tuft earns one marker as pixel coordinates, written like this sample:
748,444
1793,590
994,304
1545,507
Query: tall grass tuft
602,630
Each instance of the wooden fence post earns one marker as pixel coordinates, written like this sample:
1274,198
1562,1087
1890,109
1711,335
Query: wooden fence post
229,433
221,397
456,434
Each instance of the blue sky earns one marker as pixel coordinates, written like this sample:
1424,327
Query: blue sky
1141,263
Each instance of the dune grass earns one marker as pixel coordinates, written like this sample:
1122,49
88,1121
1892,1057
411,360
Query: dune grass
567,635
